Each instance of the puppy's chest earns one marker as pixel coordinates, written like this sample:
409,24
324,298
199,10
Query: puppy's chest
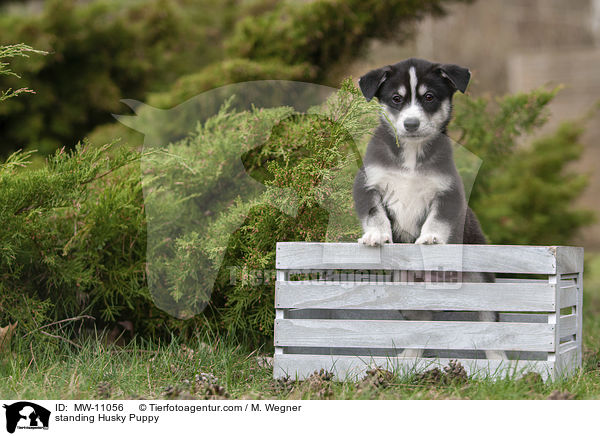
406,193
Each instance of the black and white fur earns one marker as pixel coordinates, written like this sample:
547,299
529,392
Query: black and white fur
408,189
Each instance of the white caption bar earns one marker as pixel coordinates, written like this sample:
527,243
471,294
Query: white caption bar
248,417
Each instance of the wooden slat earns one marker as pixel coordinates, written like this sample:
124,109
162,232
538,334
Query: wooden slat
352,368
280,313
415,334
579,314
568,359
534,297
566,346
468,258
568,296
567,325
568,259
503,317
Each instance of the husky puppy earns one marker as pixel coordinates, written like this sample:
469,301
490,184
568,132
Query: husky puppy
408,189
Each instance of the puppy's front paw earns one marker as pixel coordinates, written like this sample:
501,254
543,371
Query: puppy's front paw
428,239
375,237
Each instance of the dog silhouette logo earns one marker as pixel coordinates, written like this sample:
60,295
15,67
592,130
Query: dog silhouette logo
26,415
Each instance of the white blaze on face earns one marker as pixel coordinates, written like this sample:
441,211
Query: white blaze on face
413,109
412,74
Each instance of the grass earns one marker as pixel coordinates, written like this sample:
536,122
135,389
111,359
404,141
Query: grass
212,367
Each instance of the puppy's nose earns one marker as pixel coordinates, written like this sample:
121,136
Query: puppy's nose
411,124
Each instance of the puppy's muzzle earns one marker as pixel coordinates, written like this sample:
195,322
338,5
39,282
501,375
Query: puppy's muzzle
411,124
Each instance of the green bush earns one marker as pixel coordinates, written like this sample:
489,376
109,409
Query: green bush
303,40
323,33
531,196
69,237
294,41
100,52
11,51
227,72
523,194
105,50
73,235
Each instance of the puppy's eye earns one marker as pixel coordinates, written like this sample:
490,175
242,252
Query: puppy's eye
397,98
429,96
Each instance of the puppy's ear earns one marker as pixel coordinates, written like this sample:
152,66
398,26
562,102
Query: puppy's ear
457,76
370,82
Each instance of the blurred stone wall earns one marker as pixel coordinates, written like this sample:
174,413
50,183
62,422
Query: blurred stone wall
518,45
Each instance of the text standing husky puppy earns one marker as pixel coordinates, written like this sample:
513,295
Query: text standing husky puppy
408,189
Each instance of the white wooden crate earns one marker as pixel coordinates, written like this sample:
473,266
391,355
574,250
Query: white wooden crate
338,308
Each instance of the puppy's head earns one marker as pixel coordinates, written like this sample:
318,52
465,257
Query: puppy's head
416,95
